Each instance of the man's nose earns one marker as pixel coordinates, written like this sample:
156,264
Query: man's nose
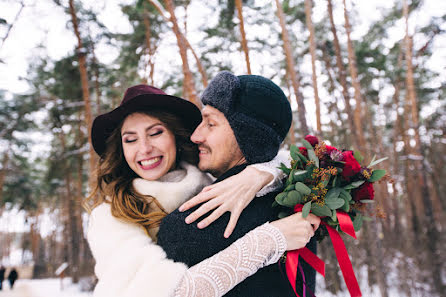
197,136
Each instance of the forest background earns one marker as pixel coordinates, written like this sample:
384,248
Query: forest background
369,76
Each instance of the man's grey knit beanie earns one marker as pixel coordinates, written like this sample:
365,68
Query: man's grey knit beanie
257,110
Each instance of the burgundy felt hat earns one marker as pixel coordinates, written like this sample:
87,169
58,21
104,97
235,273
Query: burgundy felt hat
141,98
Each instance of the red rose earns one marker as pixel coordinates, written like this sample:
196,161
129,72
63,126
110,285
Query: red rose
351,166
330,149
312,140
364,192
303,151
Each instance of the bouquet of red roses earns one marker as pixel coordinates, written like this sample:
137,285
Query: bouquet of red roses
333,185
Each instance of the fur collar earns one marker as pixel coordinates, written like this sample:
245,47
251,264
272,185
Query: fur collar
174,188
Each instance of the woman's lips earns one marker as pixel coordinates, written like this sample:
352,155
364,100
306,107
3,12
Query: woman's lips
150,163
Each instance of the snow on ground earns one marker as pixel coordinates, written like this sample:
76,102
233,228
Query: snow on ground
51,288
42,288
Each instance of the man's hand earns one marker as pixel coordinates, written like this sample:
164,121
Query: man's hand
232,194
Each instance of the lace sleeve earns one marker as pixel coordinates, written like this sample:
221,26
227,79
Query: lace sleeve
218,274
283,156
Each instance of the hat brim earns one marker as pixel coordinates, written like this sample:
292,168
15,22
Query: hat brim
104,125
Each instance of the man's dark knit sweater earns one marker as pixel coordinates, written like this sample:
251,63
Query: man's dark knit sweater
188,244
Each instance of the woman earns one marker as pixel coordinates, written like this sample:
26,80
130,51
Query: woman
147,169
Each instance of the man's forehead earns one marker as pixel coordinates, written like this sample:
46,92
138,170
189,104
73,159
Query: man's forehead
209,111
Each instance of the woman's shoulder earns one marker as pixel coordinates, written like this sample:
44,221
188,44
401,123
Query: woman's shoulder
103,221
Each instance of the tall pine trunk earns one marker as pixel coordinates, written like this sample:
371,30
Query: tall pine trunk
189,85
183,44
308,8
426,215
71,203
341,72
3,172
150,47
85,89
360,139
238,4
291,70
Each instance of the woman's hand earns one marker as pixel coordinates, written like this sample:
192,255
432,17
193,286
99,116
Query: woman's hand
232,194
297,230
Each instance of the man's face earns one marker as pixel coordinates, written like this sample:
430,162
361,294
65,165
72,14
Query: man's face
219,150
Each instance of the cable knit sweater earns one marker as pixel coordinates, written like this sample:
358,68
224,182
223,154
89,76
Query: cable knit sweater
129,263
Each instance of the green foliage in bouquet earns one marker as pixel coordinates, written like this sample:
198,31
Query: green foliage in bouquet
325,180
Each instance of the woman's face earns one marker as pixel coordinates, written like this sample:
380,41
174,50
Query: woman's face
149,147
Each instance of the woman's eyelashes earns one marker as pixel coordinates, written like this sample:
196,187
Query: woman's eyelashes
158,132
150,134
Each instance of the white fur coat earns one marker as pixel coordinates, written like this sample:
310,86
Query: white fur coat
128,262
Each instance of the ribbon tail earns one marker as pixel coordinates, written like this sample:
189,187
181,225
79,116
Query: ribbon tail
291,263
313,260
344,262
346,224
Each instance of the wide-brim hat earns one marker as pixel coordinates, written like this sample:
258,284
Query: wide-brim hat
142,98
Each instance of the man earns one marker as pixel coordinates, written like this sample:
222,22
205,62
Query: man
245,119
2,276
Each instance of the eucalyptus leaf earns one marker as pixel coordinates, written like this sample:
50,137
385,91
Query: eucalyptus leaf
275,204
306,209
289,188
354,185
302,158
373,163
293,198
358,156
334,217
346,206
320,211
285,169
294,150
377,175
307,145
334,203
333,193
302,188
367,201
345,195
357,222
311,153
280,197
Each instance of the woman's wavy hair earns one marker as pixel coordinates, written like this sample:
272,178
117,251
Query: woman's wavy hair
114,177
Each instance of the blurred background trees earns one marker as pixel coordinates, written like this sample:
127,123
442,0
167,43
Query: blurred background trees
377,93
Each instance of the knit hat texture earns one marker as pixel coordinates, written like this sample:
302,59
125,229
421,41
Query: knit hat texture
257,111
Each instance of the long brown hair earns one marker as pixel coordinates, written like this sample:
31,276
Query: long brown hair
114,178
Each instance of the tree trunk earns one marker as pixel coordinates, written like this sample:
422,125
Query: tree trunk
291,131
85,89
150,47
426,215
292,71
72,218
97,88
342,74
360,140
3,172
309,22
238,4
22,5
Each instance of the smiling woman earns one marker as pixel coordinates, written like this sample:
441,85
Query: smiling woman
148,145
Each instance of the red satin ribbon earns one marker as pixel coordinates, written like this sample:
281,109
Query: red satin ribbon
345,264
292,260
